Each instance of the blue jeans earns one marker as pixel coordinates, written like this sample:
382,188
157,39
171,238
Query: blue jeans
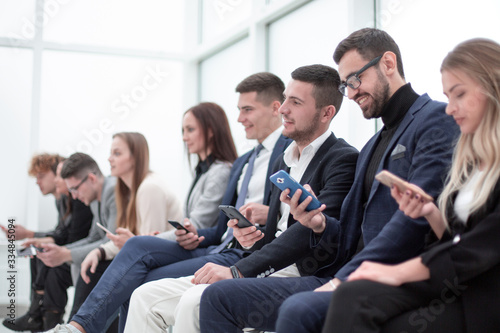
231,305
142,259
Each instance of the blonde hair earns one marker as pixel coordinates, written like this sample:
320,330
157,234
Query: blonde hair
126,197
479,59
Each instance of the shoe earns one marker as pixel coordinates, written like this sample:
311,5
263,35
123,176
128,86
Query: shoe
66,328
24,323
51,319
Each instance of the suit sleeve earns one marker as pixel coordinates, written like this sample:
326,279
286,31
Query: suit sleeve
427,164
293,246
468,255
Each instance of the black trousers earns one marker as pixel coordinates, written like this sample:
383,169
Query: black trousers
54,281
366,306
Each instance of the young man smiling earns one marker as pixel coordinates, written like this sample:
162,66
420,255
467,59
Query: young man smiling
316,157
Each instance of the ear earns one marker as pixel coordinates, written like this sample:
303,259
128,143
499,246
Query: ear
389,63
276,106
329,112
92,178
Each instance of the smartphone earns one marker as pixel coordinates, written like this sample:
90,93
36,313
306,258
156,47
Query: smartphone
283,180
28,251
389,179
103,228
233,213
178,226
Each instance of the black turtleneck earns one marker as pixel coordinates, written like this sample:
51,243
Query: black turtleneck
392,115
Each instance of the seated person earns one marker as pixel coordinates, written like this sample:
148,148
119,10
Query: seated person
48,301
146,258
453,286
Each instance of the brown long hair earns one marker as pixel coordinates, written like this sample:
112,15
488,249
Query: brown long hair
126,197
212,119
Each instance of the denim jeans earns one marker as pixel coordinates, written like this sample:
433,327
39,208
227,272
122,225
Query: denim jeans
142,259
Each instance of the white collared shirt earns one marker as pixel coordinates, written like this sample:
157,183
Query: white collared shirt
298,164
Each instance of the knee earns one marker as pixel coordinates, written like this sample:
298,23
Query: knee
296,305
140,294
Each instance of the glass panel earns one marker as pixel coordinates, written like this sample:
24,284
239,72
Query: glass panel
17,19
15,115
220,16
87,98
313,41
146,24
423,49
220,75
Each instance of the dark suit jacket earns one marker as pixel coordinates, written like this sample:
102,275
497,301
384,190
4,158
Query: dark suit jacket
330,174
420,152
469,260
214,234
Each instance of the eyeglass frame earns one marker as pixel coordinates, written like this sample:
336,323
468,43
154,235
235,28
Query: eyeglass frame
343,86
74,189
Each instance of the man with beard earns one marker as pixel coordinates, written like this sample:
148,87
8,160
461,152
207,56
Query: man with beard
416,143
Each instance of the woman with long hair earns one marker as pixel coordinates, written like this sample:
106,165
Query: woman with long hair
453,286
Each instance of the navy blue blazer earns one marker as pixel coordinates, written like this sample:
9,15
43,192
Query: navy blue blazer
214,234
420,152
330,174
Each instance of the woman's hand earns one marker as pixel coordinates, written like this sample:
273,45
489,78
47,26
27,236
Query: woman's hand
122,235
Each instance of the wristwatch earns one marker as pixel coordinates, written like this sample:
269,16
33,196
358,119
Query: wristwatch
234,271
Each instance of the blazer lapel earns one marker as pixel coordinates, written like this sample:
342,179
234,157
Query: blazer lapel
317,159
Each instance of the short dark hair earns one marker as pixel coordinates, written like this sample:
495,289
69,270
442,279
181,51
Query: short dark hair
268,86
78,165
326,81
370,43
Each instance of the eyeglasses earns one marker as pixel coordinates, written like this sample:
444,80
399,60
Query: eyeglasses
74,190
353,81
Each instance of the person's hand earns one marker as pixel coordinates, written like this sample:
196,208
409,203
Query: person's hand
20,232
313,219
91,261
211,273
248,236
122,235
37,241
412,204
382,273
328,286
54,255
189,240
255,213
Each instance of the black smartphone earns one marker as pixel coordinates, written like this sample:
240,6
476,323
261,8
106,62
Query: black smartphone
178,226
29,251
233,213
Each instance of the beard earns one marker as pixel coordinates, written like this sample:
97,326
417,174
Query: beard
305,134
379,98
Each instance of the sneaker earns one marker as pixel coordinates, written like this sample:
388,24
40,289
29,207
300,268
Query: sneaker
66,328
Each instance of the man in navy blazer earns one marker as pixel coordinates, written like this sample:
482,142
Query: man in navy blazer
415,143
147,258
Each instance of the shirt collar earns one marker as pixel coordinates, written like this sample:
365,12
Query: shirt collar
291,155
272,138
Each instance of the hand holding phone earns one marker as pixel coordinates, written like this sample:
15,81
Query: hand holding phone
232,213
103,228
283,181
178,226
29,251
389,179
